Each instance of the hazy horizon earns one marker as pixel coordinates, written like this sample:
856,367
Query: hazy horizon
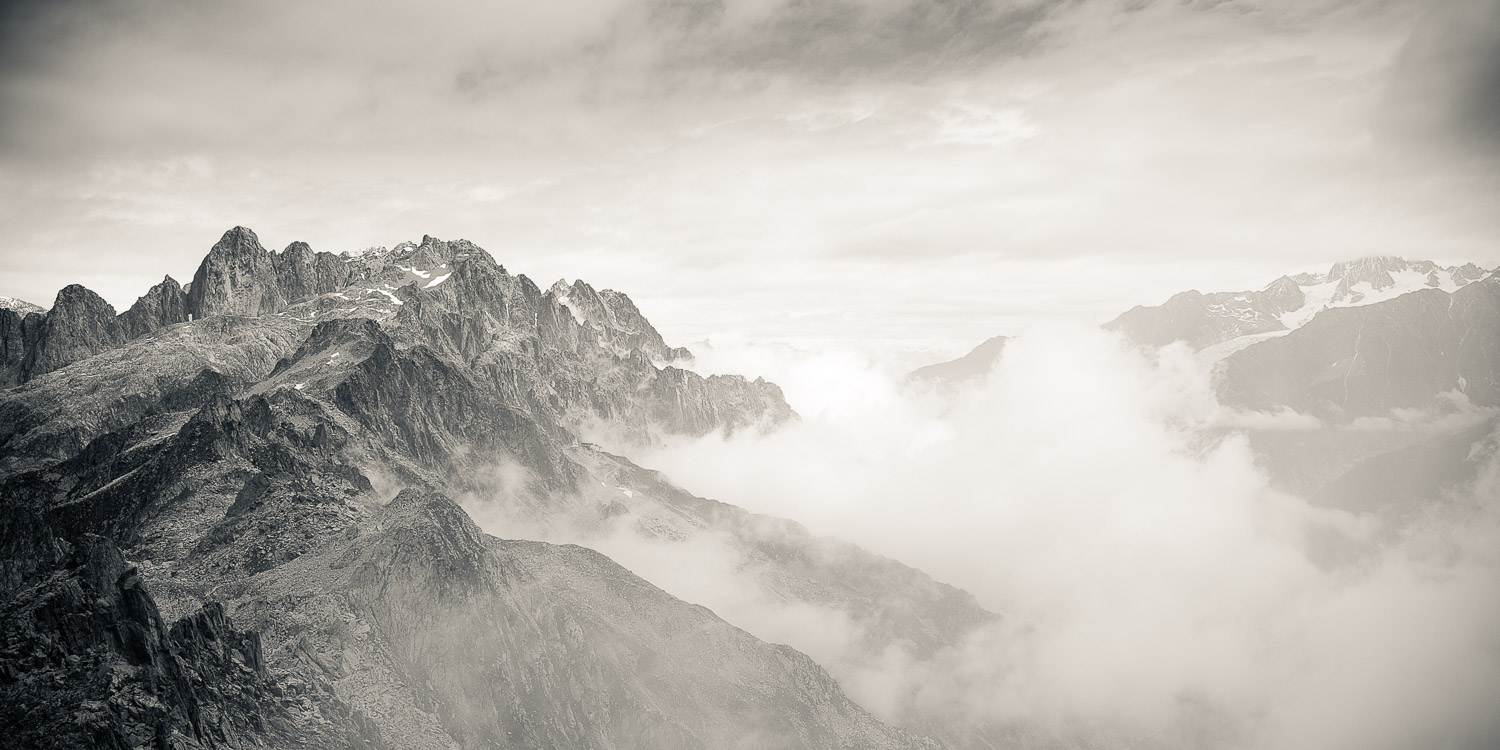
885,176
409,499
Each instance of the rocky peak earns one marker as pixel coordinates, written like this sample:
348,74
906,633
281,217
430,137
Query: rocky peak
1374,270
80,325
1470,272
237,277
436,520
1284,295
433,251
165,304
619,323
77,298
302,274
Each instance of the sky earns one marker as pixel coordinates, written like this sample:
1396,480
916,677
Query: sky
901,177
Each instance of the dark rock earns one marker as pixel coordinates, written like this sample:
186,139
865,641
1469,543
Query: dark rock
87,661
237,277
79,325
165,304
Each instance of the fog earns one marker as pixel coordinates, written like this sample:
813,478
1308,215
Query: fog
1153,587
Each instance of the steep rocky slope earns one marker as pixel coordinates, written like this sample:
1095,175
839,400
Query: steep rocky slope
87,661
246,459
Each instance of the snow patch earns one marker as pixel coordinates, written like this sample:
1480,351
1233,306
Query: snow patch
438,280
1223,349
1326,294
562,299
388,294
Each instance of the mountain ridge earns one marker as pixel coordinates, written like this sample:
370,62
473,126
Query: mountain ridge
224,452
1203,320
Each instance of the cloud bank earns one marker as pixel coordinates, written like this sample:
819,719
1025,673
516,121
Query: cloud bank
1153,587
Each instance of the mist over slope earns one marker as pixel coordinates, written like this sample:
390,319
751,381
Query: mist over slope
1155,587
255,489
370,496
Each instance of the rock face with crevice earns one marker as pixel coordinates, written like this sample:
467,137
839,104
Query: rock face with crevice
87,661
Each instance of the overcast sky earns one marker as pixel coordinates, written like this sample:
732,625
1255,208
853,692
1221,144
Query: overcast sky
891,175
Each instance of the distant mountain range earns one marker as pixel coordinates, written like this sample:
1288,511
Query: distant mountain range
1370,335
1288,303
19,306
1369,339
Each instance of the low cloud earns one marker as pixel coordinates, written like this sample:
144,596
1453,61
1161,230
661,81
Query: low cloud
1153,587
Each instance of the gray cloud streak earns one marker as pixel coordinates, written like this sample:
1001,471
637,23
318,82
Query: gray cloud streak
874,170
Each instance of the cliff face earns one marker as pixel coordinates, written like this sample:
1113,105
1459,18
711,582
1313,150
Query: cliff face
87,661
80,325
236,278
164,305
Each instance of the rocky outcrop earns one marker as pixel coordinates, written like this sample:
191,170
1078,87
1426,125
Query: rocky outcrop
79,325
87,661
303,274
237,277
18,335
615,320
165,304
240,277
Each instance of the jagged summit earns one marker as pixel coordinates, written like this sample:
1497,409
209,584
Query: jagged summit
617,318
294,455
450,297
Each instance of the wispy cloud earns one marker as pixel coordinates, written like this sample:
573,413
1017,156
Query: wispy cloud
875,158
